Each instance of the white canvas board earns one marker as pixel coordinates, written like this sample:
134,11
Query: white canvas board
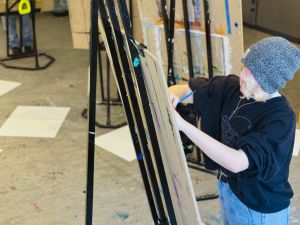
118,142
176,169
297,143
34,121
6,86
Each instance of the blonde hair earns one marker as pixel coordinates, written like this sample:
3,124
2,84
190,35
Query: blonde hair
250,88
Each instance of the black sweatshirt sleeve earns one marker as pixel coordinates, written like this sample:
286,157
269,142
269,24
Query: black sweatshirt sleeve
269,148
208,93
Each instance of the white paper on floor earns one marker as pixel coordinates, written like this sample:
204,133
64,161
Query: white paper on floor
34,121
297,143
6,86
118,142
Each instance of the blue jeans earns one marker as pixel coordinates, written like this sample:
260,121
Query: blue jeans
234,212
13,38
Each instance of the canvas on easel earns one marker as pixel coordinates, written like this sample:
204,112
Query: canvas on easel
177,172
142,79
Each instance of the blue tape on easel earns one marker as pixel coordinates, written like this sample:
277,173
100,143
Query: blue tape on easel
136,62
228,16
140,156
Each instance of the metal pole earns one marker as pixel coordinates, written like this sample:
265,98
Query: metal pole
165,19
92,102
208,39
108,91
34,34
170,47
188,37
100,73
7,28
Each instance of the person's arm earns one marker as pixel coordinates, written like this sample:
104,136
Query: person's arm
181,90
229,158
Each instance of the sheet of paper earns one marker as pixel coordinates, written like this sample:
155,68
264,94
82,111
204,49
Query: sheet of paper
34,121
122,148
6,86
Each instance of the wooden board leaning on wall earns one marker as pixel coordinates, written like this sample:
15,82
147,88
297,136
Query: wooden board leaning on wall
79,13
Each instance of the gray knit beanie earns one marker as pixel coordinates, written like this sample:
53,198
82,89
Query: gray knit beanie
272,61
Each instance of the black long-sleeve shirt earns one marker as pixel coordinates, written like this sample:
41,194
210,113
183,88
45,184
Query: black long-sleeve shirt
265,131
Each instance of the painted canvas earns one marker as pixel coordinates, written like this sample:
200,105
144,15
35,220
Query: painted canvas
226,35
220,51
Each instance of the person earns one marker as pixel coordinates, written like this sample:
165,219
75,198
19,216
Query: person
247,133
13,38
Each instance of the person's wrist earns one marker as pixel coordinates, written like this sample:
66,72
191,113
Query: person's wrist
183,126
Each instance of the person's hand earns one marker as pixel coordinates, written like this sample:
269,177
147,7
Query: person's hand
174,100
179,120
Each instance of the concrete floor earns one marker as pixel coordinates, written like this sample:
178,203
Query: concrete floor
43,181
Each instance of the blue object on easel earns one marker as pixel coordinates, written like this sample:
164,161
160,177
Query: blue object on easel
136,62
140,156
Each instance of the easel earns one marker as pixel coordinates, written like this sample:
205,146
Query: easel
169,31
197,164
9,11
188,37
107,100
134,117
169,36
169,23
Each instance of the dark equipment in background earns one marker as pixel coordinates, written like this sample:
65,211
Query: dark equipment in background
35,54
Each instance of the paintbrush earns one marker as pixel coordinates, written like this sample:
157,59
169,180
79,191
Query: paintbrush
185,97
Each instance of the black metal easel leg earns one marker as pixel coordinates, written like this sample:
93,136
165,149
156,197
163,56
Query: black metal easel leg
188,37
108,91
101,82
92,112
208,39
169,23
170,47
165,19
